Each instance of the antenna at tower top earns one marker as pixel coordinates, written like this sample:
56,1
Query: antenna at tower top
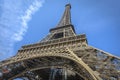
69,5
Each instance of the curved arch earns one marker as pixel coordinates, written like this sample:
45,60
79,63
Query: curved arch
67,54
48,67
80,67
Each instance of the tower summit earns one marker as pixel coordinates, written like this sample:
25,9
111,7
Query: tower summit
64,28
66,18
61,55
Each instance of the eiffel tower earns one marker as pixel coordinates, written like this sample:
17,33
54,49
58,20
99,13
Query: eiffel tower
61,55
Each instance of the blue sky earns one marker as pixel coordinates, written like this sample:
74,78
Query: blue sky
28,21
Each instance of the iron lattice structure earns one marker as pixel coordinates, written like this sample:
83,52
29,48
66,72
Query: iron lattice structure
62,50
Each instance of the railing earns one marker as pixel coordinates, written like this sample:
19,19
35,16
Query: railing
57,41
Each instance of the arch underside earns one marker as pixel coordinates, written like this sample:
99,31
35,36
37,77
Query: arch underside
30,68
104,65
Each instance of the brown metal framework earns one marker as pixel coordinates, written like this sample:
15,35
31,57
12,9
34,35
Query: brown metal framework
62,48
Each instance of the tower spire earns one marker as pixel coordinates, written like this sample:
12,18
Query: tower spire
66,18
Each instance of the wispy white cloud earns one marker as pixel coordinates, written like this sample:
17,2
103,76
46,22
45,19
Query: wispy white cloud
14,18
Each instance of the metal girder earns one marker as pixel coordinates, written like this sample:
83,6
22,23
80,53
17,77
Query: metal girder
64,53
